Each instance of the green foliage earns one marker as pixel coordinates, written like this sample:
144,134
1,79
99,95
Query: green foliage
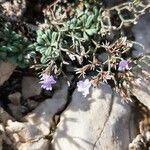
93,39
48,45
68,37
84,24
14,47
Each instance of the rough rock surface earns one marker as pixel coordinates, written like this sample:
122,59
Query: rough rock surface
4,116
6,69
141,33
23,132
140,87
142,72
13,8
16,111
30,87
99,121
42,115
15,106
42,144
31,133
25,136
2,135
15,98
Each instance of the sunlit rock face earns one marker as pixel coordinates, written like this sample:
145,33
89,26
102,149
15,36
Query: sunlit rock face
141,34
99,121
6,70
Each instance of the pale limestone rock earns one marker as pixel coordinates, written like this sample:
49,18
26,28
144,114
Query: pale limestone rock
98,122
30,134
141,33
141,88
26,136
116,133
14,126
2,135
42,144
2,1
15,106
6,70
30,87
14,8
22,132
15,98
4,116
42,115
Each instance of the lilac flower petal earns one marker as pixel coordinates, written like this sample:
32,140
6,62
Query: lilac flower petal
83,86
87,83
47,81
123,65
80,85
86,92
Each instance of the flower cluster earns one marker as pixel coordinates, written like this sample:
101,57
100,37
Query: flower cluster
123,65
84,86
47,81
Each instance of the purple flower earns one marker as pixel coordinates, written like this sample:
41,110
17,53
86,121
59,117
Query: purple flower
123,64
47,81
83,86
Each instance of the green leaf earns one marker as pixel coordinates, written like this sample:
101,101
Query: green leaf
79,12
20,57
89,21
54,36
39,33
44,59
49,34
48,52
83,19
85,36
42,49
91,31
40,40
4,48
3,55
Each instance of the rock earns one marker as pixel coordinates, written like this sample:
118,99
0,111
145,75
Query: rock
6,70
16,111
31,134
141,33
2,135
140,87
30,87
32,104
42,144
4,116
15,98
14,8
23,132
42,115
26,136
99,121
139,143
2,1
